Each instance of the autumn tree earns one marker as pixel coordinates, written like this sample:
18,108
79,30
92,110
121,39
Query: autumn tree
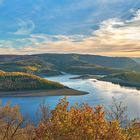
118,111
79,123
11,122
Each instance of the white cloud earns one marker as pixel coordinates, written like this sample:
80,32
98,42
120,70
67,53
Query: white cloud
24,27
115,37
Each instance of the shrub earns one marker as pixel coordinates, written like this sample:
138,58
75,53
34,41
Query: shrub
64,123
84,123
11,122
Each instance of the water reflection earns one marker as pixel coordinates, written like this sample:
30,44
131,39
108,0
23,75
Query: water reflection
100,93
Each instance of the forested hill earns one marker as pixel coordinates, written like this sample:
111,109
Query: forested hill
17,81
130,79
54,64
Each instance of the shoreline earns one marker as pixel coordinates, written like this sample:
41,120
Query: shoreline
121,83
111,80
41,93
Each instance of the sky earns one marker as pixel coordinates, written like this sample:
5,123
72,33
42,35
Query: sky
99,27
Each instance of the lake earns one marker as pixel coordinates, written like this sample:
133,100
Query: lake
100,92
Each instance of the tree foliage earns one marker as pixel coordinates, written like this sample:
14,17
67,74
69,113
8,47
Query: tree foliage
64,123
13,81
84,123
11,122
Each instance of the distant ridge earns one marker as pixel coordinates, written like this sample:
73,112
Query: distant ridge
54,64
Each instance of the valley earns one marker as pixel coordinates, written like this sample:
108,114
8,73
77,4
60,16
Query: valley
79,64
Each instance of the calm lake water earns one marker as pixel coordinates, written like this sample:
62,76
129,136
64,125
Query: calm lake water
99,93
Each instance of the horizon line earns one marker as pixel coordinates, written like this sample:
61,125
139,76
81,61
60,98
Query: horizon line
91,54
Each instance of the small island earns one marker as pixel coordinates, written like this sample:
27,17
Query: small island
24,84
88,76
127,79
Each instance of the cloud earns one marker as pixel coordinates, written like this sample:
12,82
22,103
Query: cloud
25,27
115,37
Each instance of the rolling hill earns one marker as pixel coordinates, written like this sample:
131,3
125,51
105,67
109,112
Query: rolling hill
130,79
17,81
55,64
137,60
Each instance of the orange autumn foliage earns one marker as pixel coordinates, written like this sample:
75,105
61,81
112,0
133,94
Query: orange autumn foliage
64,123
84,123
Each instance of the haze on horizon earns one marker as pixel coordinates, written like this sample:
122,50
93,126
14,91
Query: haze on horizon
100,27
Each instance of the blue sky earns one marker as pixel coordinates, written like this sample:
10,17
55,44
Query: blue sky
102,27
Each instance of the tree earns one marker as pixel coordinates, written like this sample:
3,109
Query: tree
11,122
83,123
117,111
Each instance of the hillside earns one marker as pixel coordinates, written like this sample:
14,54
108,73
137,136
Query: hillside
16,81
93,70
137,60
131,79
104,61
55,64
136,68
28,64
113,62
